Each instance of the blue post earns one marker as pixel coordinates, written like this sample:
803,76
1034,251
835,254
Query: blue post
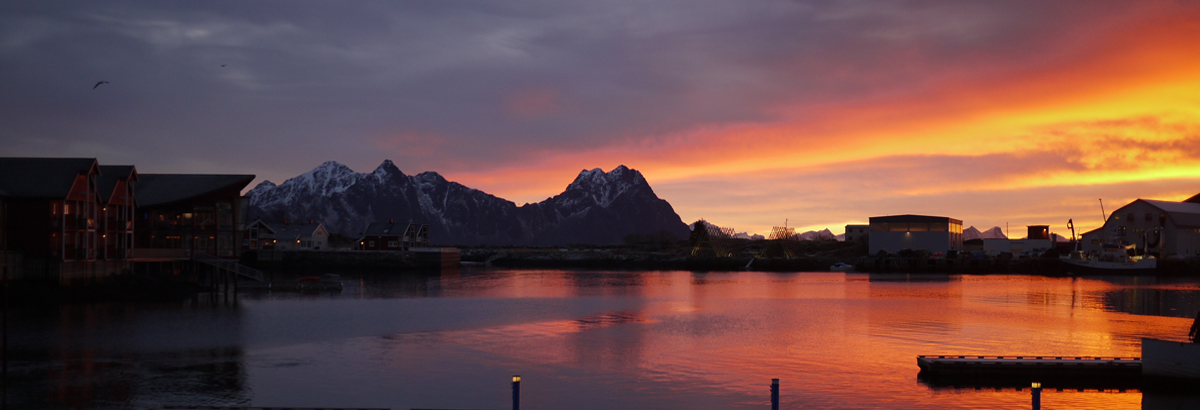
1036,391
774,394
516,392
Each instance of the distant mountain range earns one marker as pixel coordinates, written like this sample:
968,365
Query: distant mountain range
598,207
973,233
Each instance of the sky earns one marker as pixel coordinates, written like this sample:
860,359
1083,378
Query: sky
747,114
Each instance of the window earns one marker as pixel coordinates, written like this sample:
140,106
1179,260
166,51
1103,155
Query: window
879,227
1095,241
371,244
1121,230
393,244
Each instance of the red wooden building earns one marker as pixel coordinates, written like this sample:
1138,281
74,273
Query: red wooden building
51,220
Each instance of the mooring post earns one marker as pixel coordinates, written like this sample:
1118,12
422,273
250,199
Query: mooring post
774,394
516,392
1036,392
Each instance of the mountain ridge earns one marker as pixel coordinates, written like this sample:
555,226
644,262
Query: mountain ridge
596,207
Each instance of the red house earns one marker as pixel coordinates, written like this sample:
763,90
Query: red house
50,220
118,209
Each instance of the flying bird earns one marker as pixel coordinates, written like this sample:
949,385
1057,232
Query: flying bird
98,84
222,65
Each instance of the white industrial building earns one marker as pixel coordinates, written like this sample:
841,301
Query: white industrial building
1164,228
937,234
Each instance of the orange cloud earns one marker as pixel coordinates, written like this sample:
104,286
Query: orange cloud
1117,116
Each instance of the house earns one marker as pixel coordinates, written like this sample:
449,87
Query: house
380,236
50,220
936,234
309,236
119,207
1163,228
258,235
180,214
857,233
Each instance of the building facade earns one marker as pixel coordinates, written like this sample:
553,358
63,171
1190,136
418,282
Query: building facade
936,234
391,236
308,237
857,233
1162,228
52,220
181,214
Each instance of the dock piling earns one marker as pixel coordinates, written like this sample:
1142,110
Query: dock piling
774,394
516,387
1036,392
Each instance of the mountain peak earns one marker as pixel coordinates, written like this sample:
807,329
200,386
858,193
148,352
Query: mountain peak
387,167
597,176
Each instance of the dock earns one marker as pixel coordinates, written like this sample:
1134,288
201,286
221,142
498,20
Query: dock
1017,371
292,285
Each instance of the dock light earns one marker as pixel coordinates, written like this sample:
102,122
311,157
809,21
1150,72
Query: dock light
1036,385
516,379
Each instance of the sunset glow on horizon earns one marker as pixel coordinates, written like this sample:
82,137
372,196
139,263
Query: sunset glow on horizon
821,115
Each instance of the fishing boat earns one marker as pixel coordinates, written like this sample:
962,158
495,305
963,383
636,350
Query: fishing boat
841,267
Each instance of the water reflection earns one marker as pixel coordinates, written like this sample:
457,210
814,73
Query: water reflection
126,356
593,340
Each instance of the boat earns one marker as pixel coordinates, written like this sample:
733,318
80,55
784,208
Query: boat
841,267
1112,260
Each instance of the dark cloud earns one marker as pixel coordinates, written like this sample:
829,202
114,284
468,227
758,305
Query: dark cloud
277,87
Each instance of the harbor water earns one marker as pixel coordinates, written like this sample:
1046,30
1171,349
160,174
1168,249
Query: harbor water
590,340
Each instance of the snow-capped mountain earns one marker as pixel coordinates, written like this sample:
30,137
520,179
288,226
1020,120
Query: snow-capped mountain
822,235
974,233
598,207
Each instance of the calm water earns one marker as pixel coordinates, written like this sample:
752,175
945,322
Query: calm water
591,340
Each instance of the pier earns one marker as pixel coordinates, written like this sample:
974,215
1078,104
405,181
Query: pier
1018,371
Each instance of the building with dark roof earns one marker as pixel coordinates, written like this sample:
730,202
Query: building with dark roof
309,236
1162,228
936,234
53,205
258,235
179,214
392,236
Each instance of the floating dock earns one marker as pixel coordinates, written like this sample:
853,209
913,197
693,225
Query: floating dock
1017,371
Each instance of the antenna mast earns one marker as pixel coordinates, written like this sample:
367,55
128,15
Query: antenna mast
1103,217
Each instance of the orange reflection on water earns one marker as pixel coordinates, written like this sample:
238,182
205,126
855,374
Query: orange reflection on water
835,340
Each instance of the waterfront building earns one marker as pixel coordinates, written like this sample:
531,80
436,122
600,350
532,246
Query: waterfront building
292,237
1163,228
857,233
380,236
181,214
53,205
1036,242
116,184
935,234
258,235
